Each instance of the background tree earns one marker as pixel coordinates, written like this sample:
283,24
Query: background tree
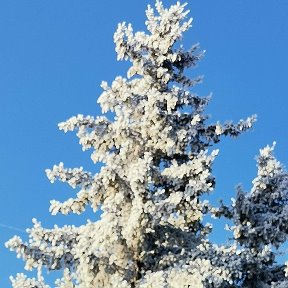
157,170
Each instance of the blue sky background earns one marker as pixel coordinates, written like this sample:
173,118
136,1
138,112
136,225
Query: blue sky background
54,55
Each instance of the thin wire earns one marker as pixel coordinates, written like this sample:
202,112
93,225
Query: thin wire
12,228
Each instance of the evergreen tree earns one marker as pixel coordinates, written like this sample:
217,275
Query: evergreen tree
157,170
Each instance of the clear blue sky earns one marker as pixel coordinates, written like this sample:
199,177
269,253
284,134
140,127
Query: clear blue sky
54,54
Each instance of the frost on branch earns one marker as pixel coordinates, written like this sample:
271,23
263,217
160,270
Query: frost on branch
261,216
157,171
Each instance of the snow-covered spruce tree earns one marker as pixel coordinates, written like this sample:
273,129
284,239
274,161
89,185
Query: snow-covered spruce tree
157,169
